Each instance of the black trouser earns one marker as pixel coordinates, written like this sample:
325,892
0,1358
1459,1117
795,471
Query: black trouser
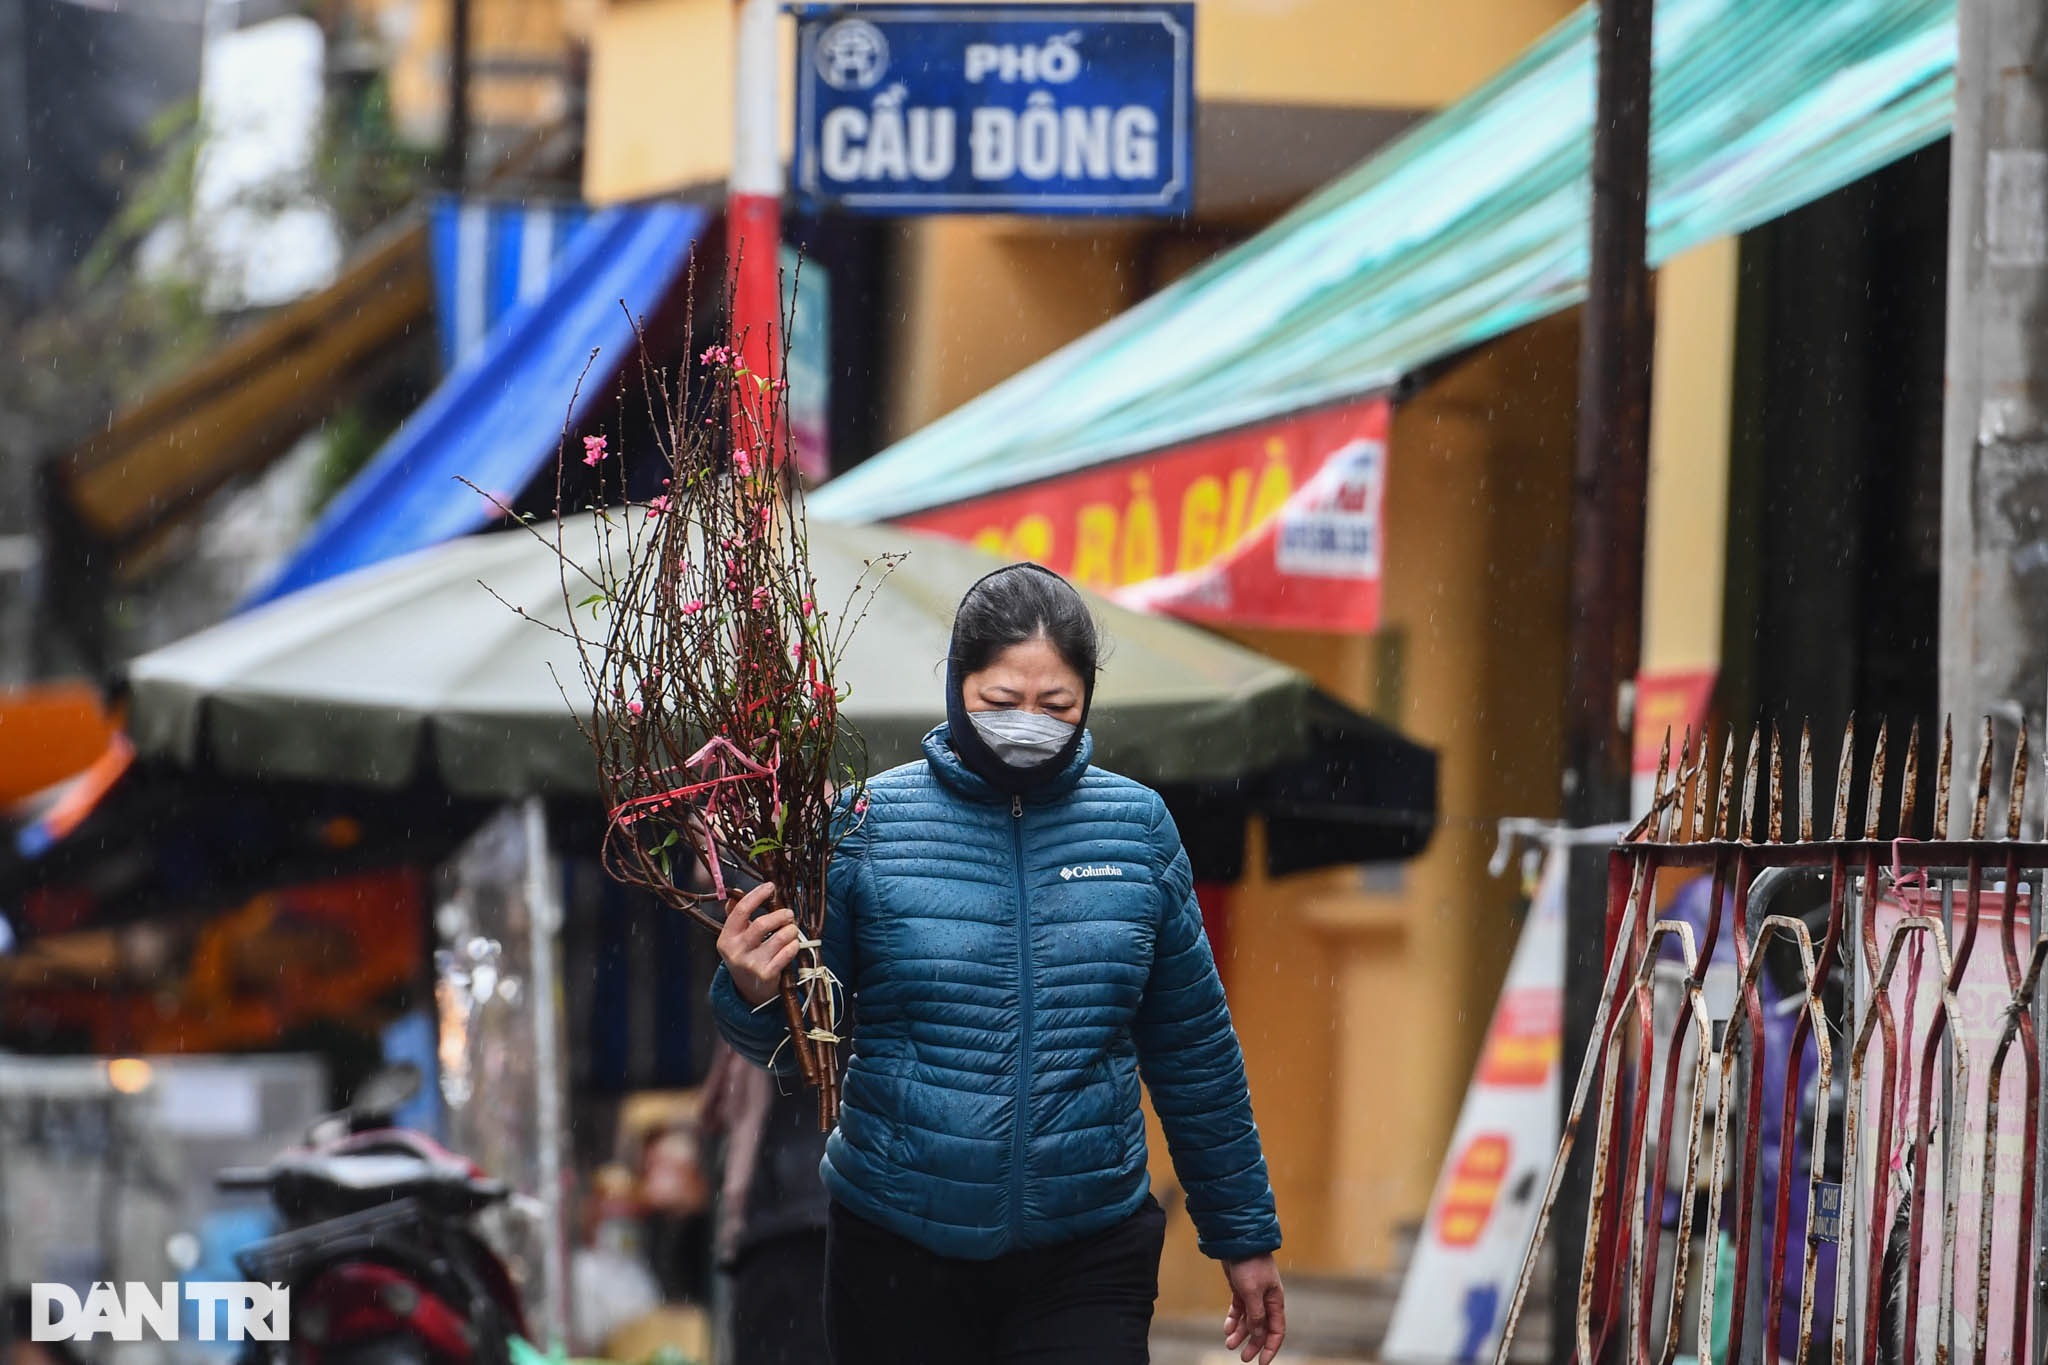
679,1251
888,1301
778,1302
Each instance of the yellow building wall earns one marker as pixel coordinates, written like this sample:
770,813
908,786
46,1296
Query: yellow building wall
1361,998
660,99
984,297
543,33
1281,990
1394,54
661,70
1475,602
1685,566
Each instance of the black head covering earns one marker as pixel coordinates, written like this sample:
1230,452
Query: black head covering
967,741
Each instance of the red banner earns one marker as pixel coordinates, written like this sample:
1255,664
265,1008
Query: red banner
1276,525
1669,703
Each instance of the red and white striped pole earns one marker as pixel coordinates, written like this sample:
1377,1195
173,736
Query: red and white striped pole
753,220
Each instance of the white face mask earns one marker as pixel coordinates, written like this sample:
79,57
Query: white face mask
1022,739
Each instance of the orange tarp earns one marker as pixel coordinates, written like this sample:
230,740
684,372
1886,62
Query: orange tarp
49,734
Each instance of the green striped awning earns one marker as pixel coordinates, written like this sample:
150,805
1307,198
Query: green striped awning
1472,224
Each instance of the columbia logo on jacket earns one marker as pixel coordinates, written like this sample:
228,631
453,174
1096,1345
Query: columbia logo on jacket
1068,874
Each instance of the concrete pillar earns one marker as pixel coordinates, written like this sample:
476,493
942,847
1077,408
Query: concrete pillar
1994,580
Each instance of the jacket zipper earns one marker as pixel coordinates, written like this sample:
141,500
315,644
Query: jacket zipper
1023,1025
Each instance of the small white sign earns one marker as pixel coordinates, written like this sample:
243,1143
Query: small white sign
2016,207
1455,1298
1331,529
209,1101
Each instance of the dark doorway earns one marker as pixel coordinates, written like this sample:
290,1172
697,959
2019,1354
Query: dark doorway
1835,507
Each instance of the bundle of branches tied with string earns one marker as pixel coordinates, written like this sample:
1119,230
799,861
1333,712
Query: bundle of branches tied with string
712,668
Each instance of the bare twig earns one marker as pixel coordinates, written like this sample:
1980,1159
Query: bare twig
713,670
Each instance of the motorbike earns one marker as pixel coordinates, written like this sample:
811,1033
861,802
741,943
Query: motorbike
381,1251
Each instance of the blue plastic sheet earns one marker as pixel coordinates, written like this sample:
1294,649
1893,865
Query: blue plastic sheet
497,419
491,257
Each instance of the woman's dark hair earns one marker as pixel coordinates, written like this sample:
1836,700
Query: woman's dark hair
1019,603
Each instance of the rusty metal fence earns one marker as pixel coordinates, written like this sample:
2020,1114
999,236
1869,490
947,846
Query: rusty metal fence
1892,981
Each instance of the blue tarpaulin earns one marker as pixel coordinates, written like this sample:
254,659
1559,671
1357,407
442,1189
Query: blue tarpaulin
489,258
496,420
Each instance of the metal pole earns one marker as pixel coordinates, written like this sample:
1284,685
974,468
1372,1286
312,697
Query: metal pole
544,924
1610,474
6,1236
1585,966
110,1188
753,218
1994,593
16,220
455,164
2038,1284
1994,596
1610,479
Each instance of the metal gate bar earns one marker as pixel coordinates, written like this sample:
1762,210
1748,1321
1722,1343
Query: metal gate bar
1905,912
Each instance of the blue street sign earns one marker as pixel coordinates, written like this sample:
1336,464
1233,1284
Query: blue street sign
995,108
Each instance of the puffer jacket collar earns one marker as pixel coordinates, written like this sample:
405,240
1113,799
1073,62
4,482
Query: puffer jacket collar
963,781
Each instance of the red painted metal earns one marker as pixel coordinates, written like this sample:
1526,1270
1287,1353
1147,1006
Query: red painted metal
753,246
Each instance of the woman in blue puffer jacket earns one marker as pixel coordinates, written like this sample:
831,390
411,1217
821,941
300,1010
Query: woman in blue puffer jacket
1018,940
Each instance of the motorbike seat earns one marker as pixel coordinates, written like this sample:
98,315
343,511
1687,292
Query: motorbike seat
359,1179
